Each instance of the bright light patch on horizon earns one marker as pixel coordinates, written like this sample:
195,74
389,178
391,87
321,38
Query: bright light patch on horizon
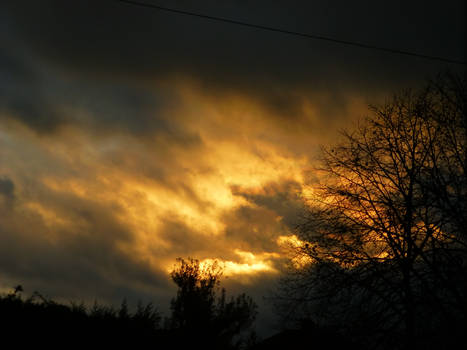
248,263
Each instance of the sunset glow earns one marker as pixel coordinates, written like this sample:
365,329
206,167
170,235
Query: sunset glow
130,136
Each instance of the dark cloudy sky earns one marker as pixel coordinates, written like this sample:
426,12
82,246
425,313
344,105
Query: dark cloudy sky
131,136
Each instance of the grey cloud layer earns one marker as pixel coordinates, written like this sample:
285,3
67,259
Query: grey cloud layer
7,188
111,39
46,100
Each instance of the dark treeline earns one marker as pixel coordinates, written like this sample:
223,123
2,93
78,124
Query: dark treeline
201,317
198,321
48,323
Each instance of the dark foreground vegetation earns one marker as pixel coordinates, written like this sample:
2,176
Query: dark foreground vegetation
47,323
202,317
194,324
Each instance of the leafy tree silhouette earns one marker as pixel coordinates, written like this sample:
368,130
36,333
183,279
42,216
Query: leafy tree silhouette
201,313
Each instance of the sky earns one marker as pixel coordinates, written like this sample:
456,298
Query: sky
131,136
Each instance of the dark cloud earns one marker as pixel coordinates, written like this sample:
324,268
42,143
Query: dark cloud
253,229
282,198
184,241
7,192
46,100
22,95
7,188
112,39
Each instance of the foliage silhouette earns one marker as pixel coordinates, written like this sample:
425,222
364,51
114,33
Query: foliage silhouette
202,316
383,247
201,312
57,325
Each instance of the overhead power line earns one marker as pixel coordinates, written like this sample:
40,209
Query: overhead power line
295,33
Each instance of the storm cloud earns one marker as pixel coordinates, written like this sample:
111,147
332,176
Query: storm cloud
130,137
121,43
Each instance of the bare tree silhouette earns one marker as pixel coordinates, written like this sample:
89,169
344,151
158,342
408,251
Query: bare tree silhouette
383,247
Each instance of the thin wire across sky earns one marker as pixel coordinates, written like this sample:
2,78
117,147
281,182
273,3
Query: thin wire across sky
295,33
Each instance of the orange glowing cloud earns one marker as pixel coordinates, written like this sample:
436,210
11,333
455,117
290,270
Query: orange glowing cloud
216,192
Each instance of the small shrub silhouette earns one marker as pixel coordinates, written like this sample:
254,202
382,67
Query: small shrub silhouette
57,325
